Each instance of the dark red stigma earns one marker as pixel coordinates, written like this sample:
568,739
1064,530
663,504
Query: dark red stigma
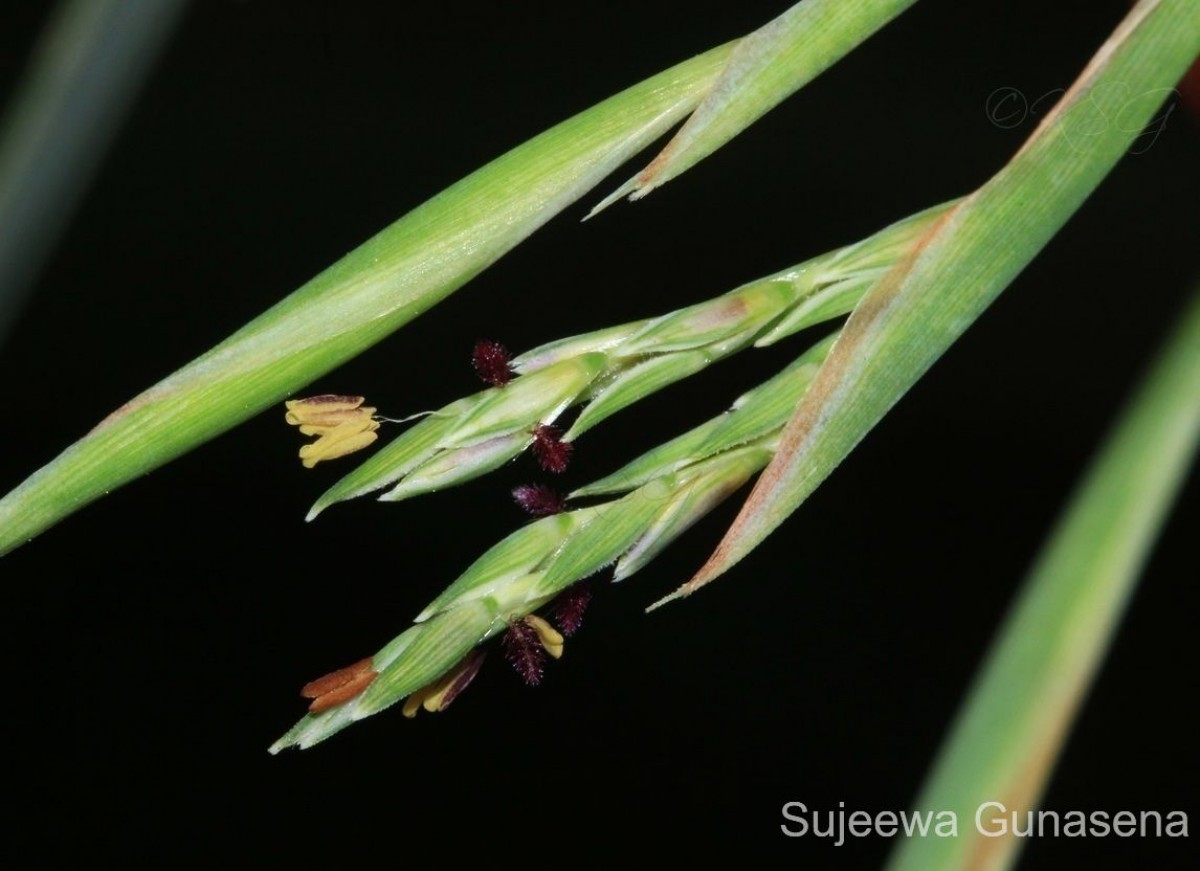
524,650
539,499
552,453
569,608
490,360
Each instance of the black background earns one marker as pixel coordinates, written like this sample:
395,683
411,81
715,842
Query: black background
155,642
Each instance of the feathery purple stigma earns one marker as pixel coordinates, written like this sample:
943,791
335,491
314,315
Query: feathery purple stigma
552,453
569,608
524,650
490,360
539,499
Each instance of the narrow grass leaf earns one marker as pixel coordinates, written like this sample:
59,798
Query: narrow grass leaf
768,66
362,298
971,254
1006,739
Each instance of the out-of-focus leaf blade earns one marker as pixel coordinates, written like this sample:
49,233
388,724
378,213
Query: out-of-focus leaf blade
1007,737
82,78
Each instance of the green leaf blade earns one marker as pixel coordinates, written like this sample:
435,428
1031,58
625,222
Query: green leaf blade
965,260
767,67
1032,684
361,299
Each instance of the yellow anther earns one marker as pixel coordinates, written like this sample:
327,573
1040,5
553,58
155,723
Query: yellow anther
327,409
413,703
345,438
433,701
438,695
342,423
547,634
